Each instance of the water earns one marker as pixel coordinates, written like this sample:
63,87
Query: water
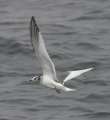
77,36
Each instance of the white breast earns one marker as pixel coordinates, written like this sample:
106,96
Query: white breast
47,81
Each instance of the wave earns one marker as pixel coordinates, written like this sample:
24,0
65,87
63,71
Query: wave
100,98
11,46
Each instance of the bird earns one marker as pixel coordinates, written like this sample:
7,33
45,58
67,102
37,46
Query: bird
49,77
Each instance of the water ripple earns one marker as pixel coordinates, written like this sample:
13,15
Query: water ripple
10,46
18,101
12,23
98,115
91,18
82,110
88,46
100,98
14,74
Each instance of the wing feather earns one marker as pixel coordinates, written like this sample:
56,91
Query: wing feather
74,74
40,50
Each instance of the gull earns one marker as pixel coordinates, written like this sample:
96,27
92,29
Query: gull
49,77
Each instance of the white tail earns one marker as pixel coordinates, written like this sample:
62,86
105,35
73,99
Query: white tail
68,89
60,86
73,74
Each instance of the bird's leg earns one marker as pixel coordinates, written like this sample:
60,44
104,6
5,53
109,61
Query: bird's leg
58,91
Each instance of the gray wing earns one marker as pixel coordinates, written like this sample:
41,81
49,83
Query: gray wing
40,50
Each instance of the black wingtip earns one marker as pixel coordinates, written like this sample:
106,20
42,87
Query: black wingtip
33,19
33,22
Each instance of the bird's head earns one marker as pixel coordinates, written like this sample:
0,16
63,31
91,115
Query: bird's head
36,78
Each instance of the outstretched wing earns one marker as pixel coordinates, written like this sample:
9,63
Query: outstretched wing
40,50
73,74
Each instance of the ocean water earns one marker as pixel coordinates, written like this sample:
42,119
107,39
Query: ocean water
77,36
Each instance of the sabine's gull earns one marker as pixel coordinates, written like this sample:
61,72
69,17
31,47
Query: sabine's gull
49,77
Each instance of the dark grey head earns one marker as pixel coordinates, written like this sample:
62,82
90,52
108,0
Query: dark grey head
36,78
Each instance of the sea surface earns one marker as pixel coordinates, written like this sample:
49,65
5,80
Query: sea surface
77,36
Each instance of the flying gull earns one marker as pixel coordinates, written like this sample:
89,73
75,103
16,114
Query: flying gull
49,77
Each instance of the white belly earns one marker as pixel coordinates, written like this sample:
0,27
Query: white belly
49,82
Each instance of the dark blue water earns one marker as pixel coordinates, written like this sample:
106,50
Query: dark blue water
77,36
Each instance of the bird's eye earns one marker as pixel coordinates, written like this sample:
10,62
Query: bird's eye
34,78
